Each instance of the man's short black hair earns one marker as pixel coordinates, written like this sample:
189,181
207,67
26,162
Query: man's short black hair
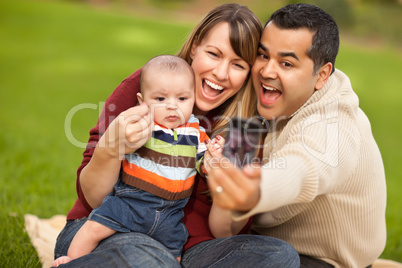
325,43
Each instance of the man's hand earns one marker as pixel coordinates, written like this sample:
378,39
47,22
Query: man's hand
232,188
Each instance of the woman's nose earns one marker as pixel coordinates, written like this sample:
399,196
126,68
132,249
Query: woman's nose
221,71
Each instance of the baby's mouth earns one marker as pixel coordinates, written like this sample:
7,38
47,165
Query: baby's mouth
211,89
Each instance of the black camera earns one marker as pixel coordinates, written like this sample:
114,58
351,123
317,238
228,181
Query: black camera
243,140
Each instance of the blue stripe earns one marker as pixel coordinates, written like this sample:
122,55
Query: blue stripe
199,156
181,139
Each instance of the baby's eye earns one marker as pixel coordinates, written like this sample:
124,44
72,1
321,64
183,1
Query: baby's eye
160,98
182,98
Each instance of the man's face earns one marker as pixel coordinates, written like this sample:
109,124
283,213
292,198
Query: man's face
282,74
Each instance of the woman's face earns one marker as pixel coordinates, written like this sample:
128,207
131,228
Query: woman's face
219,72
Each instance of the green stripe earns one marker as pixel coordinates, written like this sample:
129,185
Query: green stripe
169,149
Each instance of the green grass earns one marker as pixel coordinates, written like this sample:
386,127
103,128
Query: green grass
54,56
57,55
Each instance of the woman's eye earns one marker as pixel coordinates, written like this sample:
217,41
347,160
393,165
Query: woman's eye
240,66
213,54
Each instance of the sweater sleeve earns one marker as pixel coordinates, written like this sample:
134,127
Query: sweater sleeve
315,153
122,98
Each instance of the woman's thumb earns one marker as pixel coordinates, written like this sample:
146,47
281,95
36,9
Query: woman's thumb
252,170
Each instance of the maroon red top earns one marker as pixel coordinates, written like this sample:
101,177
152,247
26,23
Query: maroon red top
199,205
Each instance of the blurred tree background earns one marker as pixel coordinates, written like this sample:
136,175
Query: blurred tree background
375,21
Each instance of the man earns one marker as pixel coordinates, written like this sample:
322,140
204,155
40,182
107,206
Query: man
322,185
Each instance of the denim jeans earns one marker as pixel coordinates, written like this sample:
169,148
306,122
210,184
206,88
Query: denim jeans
130,209
119,250
242,251
139,250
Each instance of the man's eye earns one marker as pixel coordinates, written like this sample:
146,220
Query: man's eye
262,56
287,64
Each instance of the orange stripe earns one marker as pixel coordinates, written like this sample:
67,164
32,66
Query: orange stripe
162,182
203,136
193,125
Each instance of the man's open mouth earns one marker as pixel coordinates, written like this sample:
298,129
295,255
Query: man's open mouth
269,94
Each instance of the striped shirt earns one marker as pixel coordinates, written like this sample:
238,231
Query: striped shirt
167,164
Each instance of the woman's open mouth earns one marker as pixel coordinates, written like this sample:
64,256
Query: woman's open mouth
211,90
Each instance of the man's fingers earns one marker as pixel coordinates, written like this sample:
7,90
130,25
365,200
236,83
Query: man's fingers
220,191
226,190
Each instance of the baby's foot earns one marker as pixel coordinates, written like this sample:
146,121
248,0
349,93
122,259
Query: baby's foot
61,260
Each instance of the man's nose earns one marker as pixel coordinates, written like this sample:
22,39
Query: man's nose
269,70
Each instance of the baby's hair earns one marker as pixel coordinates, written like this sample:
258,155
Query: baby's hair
166,63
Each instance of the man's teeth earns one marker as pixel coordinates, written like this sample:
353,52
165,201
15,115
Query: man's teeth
268,88
214,86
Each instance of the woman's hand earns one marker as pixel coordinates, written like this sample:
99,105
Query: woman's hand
129,131
125,134
234,189
220,219
213,152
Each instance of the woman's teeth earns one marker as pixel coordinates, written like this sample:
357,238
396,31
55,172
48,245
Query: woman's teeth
213,85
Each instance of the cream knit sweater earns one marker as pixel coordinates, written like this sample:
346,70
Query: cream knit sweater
323,183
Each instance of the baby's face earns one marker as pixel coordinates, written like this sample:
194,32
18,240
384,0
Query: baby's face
170,97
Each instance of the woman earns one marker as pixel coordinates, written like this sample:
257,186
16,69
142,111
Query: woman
221,50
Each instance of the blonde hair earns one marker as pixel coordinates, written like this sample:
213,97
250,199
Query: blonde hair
242,105
244,33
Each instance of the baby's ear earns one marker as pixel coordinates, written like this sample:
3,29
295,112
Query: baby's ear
139,98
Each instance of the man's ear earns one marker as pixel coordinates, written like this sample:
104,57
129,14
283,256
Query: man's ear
139,98
323,75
